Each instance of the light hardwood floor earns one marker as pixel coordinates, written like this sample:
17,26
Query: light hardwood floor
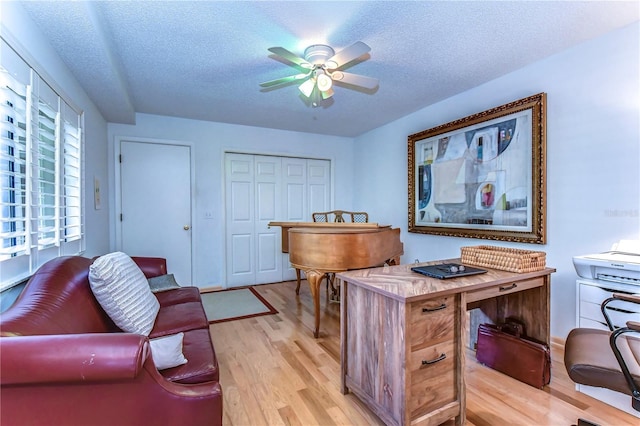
273,372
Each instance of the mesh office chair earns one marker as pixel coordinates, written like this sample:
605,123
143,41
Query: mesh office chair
607,358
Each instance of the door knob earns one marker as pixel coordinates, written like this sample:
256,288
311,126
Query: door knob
186,227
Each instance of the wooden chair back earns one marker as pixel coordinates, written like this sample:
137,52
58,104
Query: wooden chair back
340,216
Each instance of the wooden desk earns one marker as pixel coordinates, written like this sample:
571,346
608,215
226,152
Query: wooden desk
403,335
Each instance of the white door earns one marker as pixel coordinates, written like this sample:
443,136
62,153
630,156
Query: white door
318,186
155,207
261,189
307,189
268,202
294,182
239,200
253,199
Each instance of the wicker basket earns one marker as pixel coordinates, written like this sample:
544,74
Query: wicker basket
505,259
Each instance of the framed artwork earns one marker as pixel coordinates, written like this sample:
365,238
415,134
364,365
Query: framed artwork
482,176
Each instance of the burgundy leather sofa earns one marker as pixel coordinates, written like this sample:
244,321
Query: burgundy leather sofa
64,362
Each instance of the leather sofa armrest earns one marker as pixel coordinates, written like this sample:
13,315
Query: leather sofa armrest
71,358
151,266
97,379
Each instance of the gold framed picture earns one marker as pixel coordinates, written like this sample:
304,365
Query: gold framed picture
482,176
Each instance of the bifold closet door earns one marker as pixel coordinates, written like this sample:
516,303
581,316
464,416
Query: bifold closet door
306,189
253,200
260,189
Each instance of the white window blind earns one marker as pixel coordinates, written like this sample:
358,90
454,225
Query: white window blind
13,156
71,218
44,194
41,171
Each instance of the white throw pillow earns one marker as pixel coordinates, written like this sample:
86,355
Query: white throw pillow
123,292
167,351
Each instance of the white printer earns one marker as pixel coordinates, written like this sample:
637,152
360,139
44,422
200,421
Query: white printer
621,264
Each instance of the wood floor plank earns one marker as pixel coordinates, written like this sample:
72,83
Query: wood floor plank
273,372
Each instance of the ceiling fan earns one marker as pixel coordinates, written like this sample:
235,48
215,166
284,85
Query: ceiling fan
321,67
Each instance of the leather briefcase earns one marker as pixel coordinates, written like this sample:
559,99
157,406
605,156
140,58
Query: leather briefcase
514,355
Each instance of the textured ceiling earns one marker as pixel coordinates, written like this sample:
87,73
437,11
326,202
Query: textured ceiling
205,59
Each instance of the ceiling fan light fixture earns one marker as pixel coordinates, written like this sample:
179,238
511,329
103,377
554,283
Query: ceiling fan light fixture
317,54
330,65
321,67
307,87
324,82
337,75
327,94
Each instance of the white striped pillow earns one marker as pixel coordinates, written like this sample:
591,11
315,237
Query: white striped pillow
123,292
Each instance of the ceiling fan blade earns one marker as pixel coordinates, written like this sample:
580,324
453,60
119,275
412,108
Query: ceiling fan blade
291,57
284,80
347,55
355,79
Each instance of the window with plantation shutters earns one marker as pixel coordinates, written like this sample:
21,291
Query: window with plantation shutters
41,170
13,157
71,212
43,198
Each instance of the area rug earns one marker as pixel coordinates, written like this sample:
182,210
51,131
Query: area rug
235,304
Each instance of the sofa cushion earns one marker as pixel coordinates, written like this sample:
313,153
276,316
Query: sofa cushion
202,365
173,319
123,292
167,351
162,283
178,295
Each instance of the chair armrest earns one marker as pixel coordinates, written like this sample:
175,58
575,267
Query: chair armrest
631,356
151,266
634,325
633,298
71,358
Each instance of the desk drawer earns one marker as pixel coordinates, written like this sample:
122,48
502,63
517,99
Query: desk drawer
432,321
593,294
618,316
432,378
503,289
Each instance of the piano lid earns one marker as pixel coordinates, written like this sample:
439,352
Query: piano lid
338,225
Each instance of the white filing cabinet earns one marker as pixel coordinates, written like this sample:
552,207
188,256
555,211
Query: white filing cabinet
589,296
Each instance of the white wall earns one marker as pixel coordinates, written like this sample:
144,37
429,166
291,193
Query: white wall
593,158
16,25
210,141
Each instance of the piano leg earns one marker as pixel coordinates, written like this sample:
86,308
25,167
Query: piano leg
335,291
297,281
315,278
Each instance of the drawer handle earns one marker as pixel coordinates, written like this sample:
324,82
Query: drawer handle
433,361
437,308
509,287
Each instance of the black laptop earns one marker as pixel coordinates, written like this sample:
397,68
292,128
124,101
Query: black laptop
445,271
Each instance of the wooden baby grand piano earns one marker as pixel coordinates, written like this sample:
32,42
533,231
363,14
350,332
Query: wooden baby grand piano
320,248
